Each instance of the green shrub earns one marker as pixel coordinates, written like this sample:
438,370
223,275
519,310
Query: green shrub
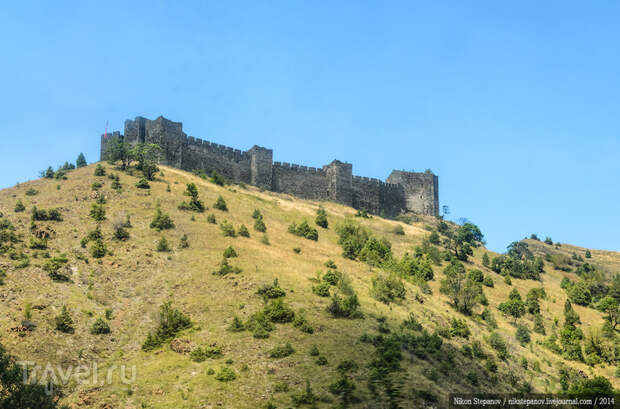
200,354
496,342
539,326
42,215
321,361
184,242
32,192
226,374
161,220
331,264
314,350
53,265
227,229
271,291
321,218
304,230
321,289
302,323
278,311
332,277
281,351
162,245
522,335
488,281
99,170
220,204
96,185
398,230
347,307
194,204
19,206
211,219
243,231
225,268
387,289
306,397
98,249
259,225
217,179
265,239
297,250
100,327
476,275
97,212
64,322
236,325
507,280
38,244
171,322
490,364
459,328
143,184
230,252
256,214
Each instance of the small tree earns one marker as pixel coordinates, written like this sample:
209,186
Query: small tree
100,327
588,254
611,308
161,220
220,204
99,170
485,260
98,249
513,307
19,206
523,335
81,160
162,245
243,231
64,322
147,156
195,204
259,225
184,243
321,218
97,212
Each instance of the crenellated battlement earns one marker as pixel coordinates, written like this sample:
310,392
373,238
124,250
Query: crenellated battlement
402,191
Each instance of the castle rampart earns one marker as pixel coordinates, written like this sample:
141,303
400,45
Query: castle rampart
402,191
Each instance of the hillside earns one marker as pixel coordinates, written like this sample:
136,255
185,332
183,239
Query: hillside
127,286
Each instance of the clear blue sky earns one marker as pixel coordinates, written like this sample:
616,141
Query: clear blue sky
515,105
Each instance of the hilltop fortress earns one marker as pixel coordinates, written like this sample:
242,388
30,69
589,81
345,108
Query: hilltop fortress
401,192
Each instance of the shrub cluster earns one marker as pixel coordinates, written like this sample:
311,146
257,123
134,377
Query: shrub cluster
171,322
304,230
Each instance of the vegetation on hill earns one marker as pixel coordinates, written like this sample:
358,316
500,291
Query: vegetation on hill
368,313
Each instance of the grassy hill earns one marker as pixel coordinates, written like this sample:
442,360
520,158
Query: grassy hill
128,285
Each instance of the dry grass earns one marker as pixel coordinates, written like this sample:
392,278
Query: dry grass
135,279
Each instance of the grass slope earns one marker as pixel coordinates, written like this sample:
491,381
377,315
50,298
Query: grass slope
134,280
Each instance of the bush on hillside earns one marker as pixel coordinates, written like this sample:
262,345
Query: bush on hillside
304,230
387,289
161,220
220,204
321,218
64,322
171,322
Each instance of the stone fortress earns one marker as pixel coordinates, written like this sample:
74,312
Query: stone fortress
401,192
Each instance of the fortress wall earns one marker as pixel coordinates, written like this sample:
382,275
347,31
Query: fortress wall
206,156
366,194
302,181
409,191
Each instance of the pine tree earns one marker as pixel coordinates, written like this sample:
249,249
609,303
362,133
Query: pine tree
81,160
64,323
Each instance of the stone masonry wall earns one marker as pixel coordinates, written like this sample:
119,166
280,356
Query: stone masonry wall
402,191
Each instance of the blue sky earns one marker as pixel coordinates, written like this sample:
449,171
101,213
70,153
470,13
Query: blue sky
513,104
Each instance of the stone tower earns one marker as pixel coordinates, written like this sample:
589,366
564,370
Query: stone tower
261,162
339,182
420,189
